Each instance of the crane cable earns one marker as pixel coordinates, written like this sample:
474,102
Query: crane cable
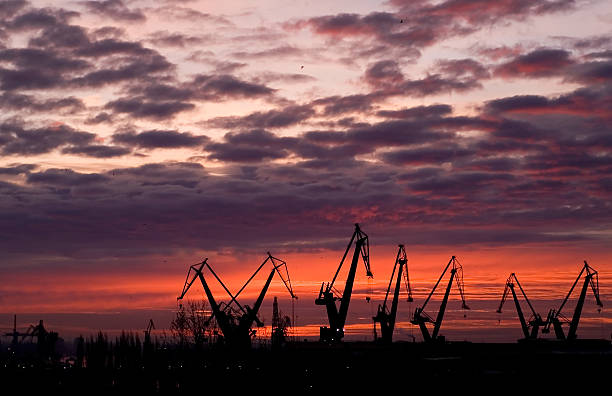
369,301
293,323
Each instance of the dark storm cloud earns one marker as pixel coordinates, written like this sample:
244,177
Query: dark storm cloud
426,155
458,68
30,58
384,74
209,87
251,146
166,39
65,178
386,78
99,118
397,133
338,105
97,151
230,153
159,139
139,107
115,9
591,101
436,84
518,102
421,24
128,69
29,103
270,205
417,112
287,78
17,169
483,11
18,139
526,162
284,117
599,55
158,100
8,8
493,164
111,46
61,36
536,64
258,144
28,79
591,73
155,91
40,18
106,32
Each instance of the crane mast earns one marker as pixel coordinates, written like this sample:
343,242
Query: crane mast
535,321
421,318
387,317
223,318
237,331
335,315
555,317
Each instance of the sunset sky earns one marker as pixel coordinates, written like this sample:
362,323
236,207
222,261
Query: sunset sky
138,137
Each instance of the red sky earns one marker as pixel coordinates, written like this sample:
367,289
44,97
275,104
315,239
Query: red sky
139,136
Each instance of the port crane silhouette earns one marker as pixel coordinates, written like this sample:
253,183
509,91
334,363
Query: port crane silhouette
384,315
556,318
532,326
421,318
328,295
235,323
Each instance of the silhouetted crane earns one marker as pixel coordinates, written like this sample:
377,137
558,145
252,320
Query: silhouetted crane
534,322
237,330
420,318
337,316
555,316
384,316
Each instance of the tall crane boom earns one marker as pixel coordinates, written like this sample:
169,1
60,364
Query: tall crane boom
224,319
555,317
420,317
237,330
535,321
251,316
387,317
335,315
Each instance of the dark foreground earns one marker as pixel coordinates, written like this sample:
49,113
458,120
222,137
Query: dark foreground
315,368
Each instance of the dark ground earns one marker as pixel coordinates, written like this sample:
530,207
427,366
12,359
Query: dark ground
314,368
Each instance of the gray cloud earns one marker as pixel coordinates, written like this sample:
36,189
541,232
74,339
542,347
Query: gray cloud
115,9
159,139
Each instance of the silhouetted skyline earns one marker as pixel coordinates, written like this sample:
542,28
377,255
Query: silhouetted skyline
138,137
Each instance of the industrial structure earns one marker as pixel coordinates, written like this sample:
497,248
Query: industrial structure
530,327
556,317
421,318
384,315
280,325
235,323
328,295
